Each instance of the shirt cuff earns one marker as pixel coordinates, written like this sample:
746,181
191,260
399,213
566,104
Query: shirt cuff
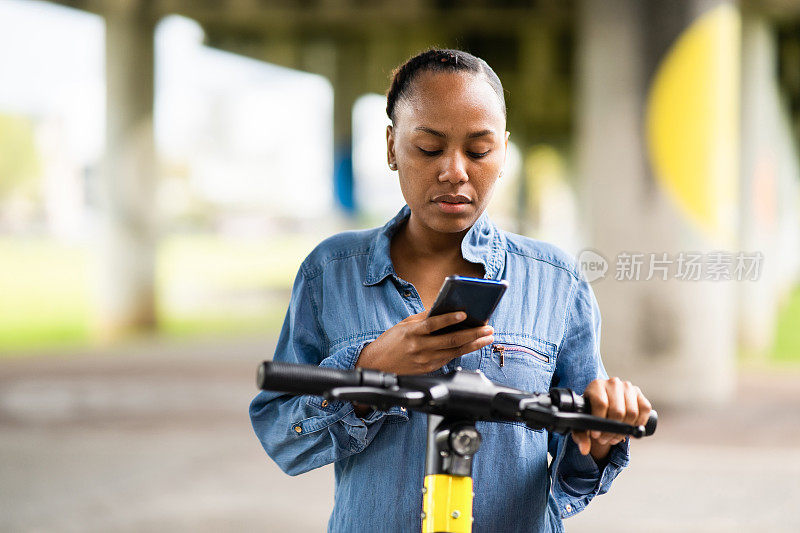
578,478
361,430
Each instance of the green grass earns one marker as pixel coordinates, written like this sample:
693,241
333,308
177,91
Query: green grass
232,264
210,325
43,294
206,285
787,341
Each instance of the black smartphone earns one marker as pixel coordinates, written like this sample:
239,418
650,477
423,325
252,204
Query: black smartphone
475,296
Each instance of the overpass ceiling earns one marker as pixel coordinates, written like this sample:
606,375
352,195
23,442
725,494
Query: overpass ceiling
332,16
780,10
368,16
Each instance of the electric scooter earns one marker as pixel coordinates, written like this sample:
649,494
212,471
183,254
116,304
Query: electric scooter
454,402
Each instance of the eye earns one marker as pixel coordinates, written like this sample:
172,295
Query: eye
430,153
475,155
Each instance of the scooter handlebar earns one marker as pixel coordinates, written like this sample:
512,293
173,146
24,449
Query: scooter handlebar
309,379
303,379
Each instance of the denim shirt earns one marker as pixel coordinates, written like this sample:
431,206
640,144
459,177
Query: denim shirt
347,293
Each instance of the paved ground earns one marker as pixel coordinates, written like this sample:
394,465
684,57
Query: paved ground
156,437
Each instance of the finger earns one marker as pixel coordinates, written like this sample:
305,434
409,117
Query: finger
597,397
631,403
581,438
437,322
616,399
451,353
616,406
644,408
459,338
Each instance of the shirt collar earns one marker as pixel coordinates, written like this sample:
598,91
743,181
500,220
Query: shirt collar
484,243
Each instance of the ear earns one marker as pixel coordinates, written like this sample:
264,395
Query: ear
505,153
390,157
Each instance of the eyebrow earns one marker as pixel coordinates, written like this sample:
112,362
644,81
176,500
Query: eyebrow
472,135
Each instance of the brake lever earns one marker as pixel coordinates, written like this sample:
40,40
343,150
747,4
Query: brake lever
376,397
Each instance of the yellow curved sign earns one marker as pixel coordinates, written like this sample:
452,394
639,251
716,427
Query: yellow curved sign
692,122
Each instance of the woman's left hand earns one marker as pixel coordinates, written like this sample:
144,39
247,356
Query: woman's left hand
616,400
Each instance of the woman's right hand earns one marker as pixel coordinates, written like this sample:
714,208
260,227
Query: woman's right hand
409,348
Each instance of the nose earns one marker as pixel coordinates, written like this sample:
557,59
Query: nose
454,168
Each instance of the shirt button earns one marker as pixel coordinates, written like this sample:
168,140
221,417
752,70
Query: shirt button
407,294
298,429
568,508
403,409
324,403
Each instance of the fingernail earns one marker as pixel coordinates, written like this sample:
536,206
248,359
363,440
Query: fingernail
461,316
595,434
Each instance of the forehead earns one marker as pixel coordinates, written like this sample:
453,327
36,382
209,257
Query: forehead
450,100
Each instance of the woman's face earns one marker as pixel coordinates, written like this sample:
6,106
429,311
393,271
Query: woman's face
449,143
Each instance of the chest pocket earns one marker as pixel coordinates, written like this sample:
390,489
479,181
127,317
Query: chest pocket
521,362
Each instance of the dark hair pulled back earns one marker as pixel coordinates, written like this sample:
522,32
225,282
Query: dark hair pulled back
439,60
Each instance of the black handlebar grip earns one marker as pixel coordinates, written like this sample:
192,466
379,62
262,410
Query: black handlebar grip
304,379
652,422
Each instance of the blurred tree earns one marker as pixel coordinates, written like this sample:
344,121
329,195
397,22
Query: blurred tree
20,168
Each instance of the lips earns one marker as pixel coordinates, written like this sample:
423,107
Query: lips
453,204
453,199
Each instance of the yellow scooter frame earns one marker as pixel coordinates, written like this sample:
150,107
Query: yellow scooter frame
447,493
447,504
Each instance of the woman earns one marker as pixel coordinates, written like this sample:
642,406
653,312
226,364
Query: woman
360,300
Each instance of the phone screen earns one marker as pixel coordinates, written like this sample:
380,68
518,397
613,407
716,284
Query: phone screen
475,296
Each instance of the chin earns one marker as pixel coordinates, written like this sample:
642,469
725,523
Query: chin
450,223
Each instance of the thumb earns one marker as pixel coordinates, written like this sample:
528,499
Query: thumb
581,438
417,316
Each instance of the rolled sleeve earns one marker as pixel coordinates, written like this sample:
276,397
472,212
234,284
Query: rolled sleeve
301,433
578,478
361,430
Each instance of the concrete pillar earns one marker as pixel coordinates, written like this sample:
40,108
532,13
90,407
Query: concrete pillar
349,81
759,182
531,76
127,291
657,88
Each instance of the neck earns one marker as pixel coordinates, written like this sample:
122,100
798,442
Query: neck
423,242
